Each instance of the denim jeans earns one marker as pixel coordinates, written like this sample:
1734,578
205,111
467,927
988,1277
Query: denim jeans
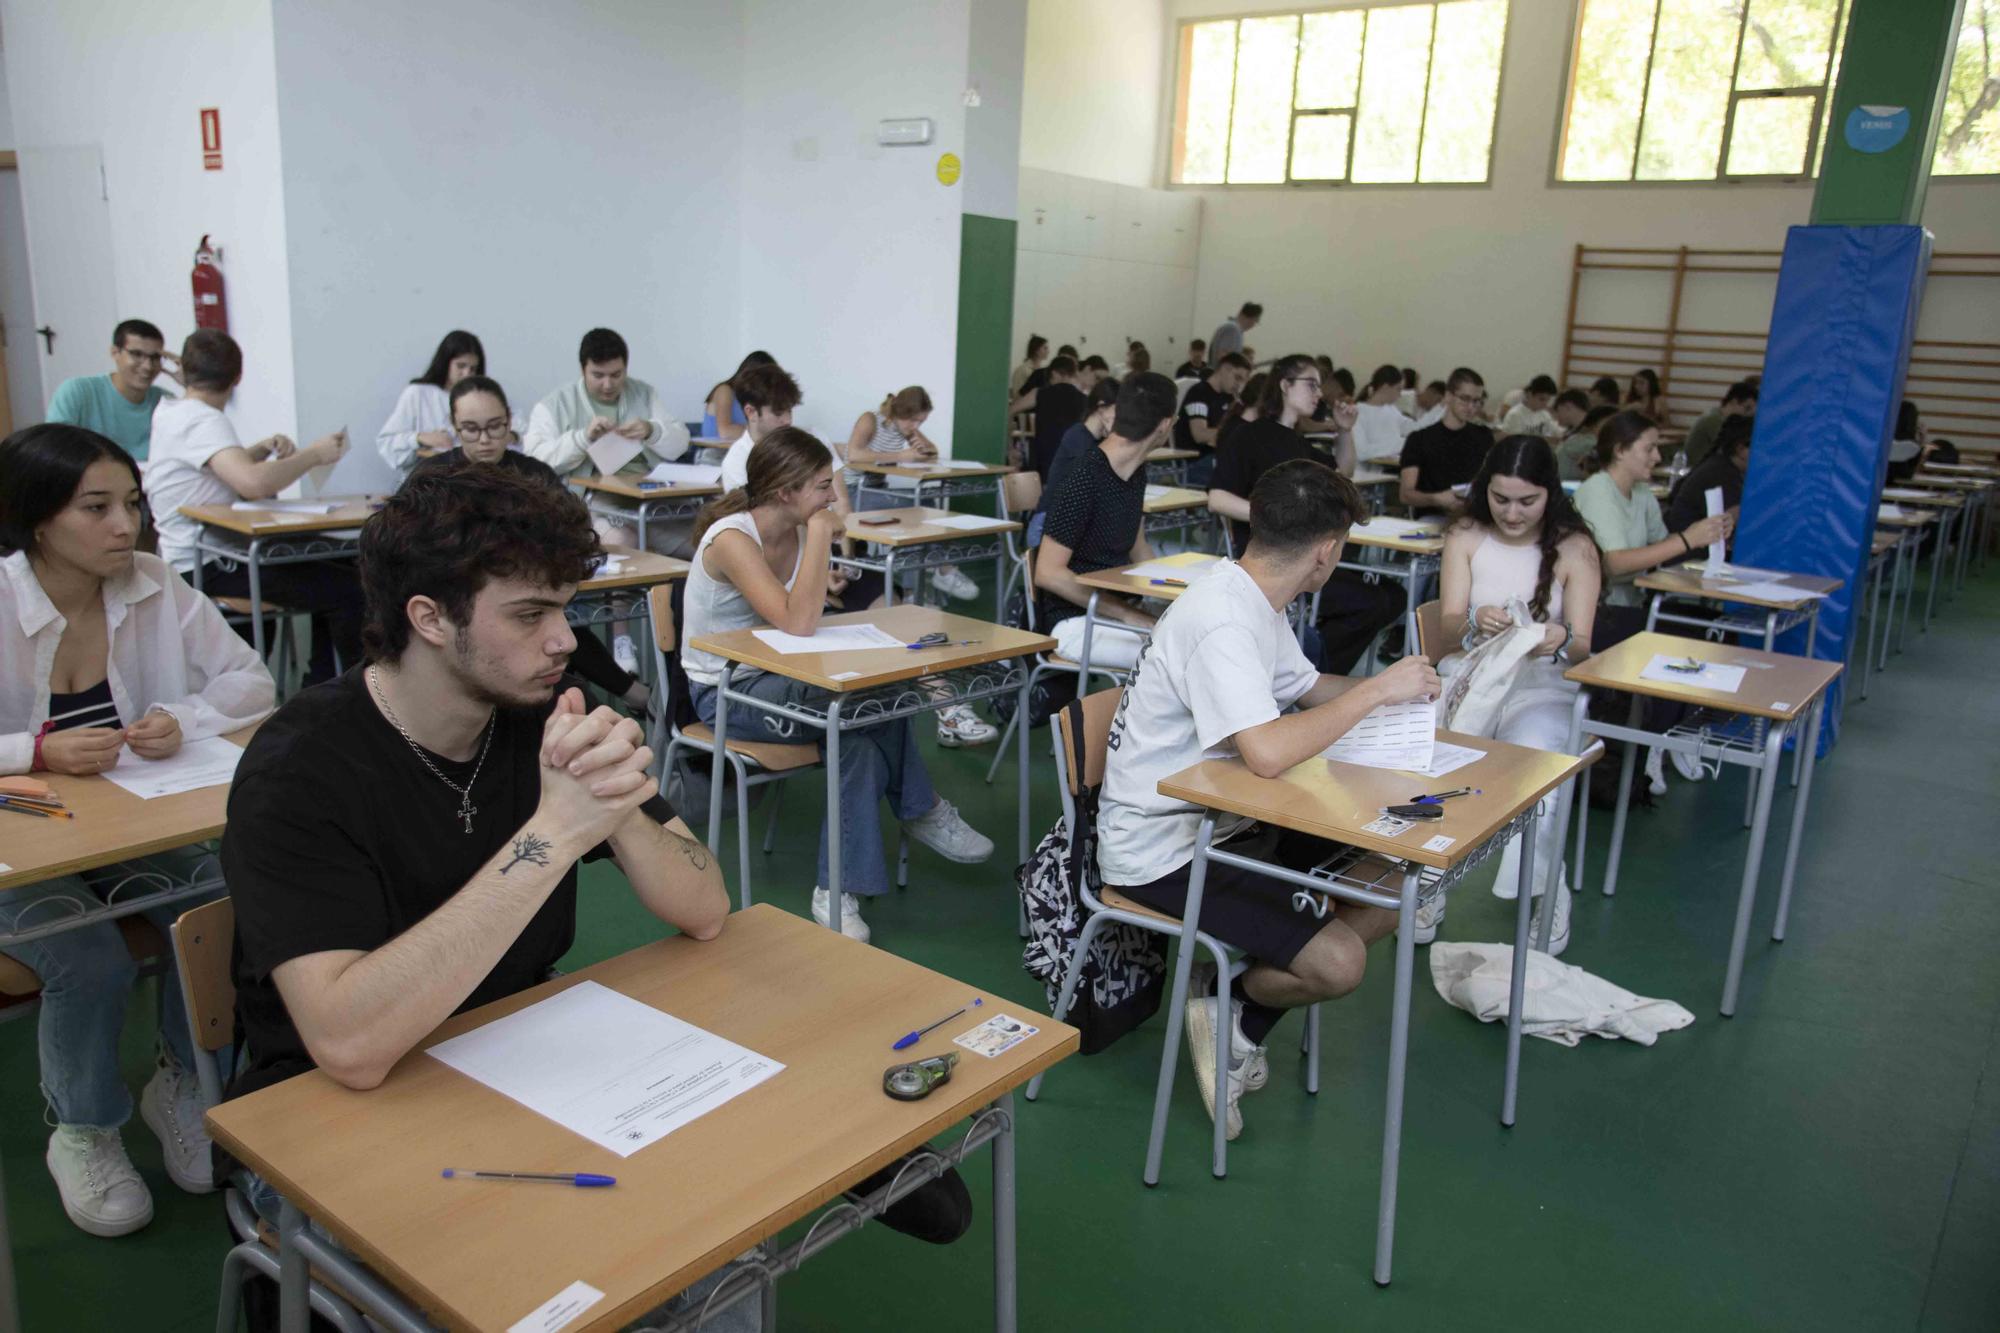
87,977
875,762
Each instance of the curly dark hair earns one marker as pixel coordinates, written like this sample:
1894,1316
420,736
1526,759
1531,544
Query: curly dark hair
452,529
1530,458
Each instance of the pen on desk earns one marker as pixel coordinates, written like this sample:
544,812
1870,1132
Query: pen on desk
1434,797
26,810
32,806
909,1039
581,1179
941,643
1169,583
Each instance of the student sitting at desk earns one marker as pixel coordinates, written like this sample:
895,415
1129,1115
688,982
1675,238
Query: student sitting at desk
420,425
103,649
1725,468
119,406
1203,407
197,460
1096,520
894,433
1618,502
1223,669
722,412
1440,458
1085,435
1057,404
1522,540
761,558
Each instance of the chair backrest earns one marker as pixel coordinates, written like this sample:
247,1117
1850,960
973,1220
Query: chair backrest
202,941
1430,629
1083,755
1022,491
660,598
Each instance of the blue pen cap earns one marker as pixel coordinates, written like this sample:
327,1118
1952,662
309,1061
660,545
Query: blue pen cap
585,1179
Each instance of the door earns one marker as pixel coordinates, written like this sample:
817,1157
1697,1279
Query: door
69,257
20,371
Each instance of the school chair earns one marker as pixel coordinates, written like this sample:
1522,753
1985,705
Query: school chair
21,988
1081,737
202,940
278,621
1021,492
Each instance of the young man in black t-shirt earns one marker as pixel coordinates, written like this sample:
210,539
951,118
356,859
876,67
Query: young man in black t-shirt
1196,366
1202,411
1448,454
1057,406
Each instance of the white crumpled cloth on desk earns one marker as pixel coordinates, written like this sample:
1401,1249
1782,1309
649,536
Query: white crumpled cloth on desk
1559,1002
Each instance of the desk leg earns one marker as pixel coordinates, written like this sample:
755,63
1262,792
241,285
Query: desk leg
1410,581
1003,1221
292,1273
1910,545
888,576
833,899
1399,1051
1937,562
256,599
1746,899
10,1307
1517,982
1177,1004
1021,791
718,766
1874,616
1089,624
1577,795
1807,742
1624,806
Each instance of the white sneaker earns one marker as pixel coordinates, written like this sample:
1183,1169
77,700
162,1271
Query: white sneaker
101,1191
1656,778
1558,928
953,580
959,725
851,924
171,1106
626,654
1688,766
1201,1050
1430,915
945,832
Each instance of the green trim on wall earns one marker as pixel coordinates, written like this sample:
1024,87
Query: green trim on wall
1898,54
985,331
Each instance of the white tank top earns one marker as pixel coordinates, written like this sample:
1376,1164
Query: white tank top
716,606
1500,572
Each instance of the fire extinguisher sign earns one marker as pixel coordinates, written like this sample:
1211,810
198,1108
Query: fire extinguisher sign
211,138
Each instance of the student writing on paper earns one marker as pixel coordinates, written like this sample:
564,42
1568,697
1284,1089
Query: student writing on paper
722,412
1223,669
894,433
103,650
1379,424
1521,540
197,460
761,558
420,425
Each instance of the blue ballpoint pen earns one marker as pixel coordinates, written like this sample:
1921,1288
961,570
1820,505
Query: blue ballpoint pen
581,1179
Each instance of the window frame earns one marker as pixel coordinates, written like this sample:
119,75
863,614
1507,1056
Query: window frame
1177,137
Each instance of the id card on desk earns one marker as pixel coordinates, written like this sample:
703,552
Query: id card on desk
997,1034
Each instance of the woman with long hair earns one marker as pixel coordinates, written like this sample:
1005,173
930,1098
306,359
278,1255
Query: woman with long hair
1521,540
721,415
761,557
420,425
1037,354
1618,502
1645,396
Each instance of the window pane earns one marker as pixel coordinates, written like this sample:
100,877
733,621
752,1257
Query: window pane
1687,96
1605,90
1330,59
1211,71
1465,83
1394,65
1832,73
1262,125
1769,136
1969,144
1786,43
1319,147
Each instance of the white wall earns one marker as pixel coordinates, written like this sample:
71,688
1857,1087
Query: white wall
526,172
1480,276
850,250
1094,88
996,56
1099,264
131,76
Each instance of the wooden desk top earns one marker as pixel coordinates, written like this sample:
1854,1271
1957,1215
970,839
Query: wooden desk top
868,668
1951,483
1688,581
933,471
481,1255
1168,498
640,569
111,825
1369,477
912,526
1388,536
1886,541
1929,499
1118,580
628,488
353,512
1922,518
1334,800
1172,455
1964,469
1777,686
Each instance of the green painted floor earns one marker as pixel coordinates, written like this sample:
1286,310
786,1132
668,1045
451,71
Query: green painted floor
1830,1159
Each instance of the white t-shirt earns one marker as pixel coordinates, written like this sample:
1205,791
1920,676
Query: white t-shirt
1524,420
186,434
736,462
1220,661
1379,432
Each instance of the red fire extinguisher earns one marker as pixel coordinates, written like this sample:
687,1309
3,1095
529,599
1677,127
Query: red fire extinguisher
211,307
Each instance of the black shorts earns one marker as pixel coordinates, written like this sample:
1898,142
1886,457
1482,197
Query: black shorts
1243,909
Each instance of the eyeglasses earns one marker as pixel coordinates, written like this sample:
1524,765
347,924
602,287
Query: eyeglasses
492,430
1470,399
144,358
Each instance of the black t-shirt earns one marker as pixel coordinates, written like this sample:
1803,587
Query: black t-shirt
1689,503
1204,403
1255,448
1076,442
1190,371
1444,457
340,838
1057,408
1097,515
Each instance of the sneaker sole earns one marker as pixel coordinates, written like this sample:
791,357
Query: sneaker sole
153,1119
1201,1035
105,1230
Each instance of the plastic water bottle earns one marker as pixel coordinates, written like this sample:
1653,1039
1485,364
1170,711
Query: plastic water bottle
1679,467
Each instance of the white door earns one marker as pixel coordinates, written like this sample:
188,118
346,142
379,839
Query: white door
17,310
69,256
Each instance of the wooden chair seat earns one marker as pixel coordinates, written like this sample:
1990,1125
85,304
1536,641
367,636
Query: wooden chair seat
1111,897
772,756
142,939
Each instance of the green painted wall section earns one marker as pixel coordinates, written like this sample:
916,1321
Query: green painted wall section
1898,54
985,331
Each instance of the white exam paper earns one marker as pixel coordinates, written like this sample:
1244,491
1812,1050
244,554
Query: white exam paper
962,522
204,763
1448,758
1154,491
617,1072
1395,527
1392,736
284,506
612,451
1718,676
1905,493
688,474
1718,558
829,639
1889,511
1185,570
948,464
1771,592
558,1311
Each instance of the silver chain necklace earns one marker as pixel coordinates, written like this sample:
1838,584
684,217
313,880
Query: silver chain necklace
466,809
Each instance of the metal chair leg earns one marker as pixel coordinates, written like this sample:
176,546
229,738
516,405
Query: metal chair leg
771,821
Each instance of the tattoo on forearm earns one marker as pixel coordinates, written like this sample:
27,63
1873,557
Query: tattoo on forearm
696,854
530,848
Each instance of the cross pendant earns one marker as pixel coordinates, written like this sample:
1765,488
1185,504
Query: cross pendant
466,810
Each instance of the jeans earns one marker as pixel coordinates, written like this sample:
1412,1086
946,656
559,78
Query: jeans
875,762
87,976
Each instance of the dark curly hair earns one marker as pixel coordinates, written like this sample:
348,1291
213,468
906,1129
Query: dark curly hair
1530,458
450,530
